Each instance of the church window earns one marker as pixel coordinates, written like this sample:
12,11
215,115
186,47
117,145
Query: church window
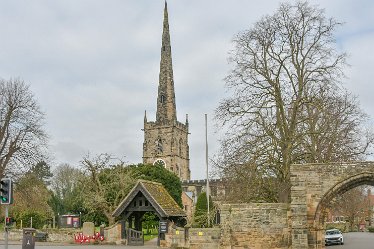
180,147
176,148
162,98
159,148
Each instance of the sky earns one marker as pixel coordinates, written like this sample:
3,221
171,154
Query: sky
93,65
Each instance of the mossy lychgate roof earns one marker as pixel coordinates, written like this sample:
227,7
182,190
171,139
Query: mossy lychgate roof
157,195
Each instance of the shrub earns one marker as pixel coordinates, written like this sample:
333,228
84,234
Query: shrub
38,219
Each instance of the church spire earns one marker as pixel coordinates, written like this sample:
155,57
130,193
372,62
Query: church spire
166,139
166,108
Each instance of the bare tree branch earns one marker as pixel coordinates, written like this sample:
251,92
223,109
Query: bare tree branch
288,105
22,138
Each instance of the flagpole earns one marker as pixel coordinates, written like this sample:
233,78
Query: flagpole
206,162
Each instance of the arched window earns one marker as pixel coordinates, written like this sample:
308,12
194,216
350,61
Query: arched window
162,98
178,171
180,147
175,146
159,148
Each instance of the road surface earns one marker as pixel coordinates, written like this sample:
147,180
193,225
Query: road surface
359,240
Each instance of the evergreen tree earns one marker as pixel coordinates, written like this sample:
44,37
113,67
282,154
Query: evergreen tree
201,211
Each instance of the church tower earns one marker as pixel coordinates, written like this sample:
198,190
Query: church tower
166,139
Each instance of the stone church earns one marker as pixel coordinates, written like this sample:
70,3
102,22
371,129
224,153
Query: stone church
166,139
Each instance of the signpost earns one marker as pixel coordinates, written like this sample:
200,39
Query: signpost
162,229
163,226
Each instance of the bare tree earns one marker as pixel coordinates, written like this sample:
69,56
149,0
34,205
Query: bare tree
65,179
22,137
287,105
352,205
333,130
106,184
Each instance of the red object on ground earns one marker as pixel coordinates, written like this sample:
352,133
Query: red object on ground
80,238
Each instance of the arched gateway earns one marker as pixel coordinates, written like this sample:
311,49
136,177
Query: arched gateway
313,187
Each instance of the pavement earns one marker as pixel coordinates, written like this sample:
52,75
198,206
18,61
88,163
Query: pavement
152,244
40,246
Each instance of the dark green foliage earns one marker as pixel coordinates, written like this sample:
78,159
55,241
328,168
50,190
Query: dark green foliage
42,171
74,204
56,204
371,229
67,190
150,222
71,205
201,216
202,204
157,173
97,217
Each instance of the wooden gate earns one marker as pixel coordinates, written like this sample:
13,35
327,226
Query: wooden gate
134,237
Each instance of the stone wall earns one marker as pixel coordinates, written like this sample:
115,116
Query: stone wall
193,238
313,187
255,226
204,238
250,226
113,233
54,235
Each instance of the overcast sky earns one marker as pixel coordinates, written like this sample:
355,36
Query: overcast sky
93,65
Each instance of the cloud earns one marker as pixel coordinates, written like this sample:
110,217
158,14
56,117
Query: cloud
93,65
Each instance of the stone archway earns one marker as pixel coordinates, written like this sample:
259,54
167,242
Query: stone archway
313,186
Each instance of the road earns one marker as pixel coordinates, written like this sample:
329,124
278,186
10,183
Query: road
351,241
357,240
